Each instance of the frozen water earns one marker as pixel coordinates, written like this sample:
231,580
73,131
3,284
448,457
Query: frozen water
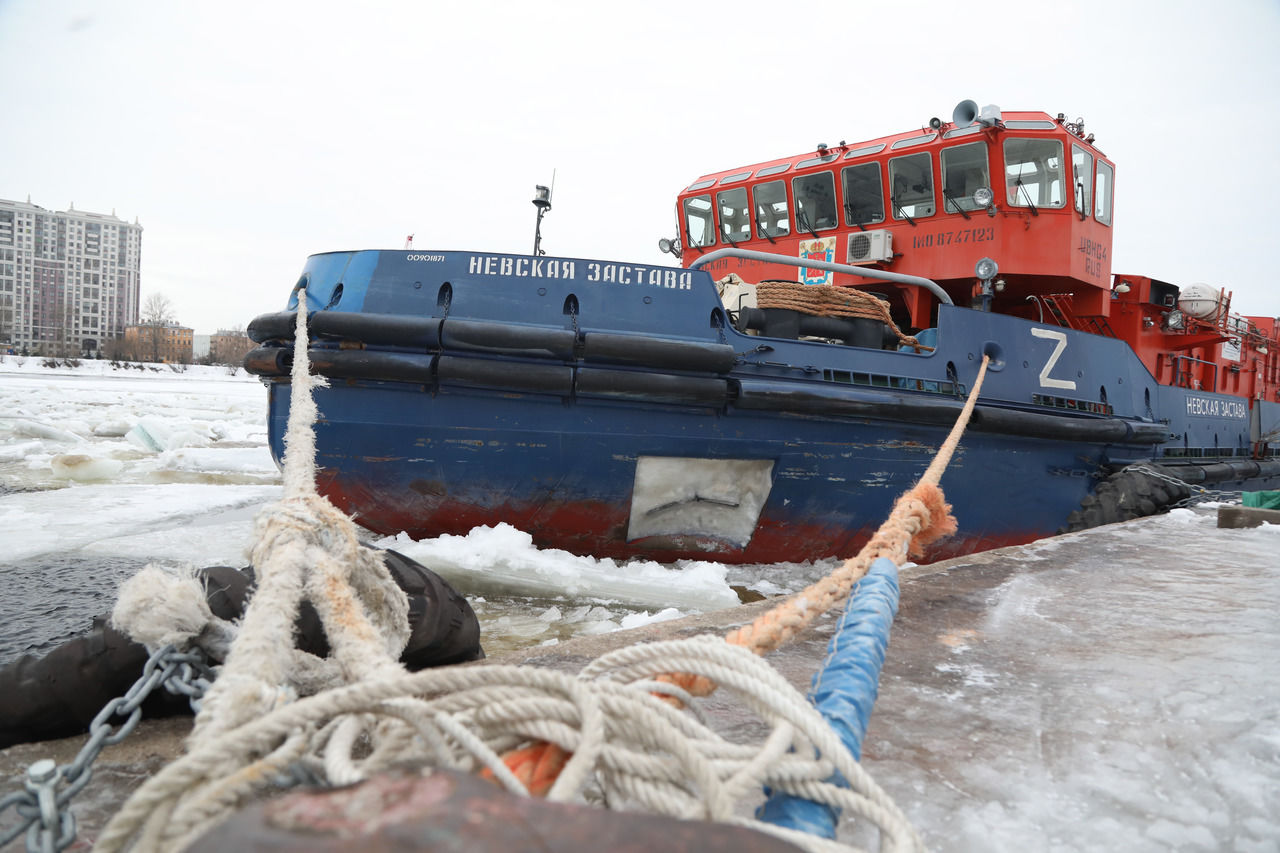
510,623
524,590
104,469
84,467
503,559
95,423
36,524
83,506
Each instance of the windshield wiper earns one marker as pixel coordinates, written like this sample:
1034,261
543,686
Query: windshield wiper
853,216
688,239
724,232
803,221
1027,196
946,194
763,230
902,214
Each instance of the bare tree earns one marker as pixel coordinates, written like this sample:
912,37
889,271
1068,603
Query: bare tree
157,312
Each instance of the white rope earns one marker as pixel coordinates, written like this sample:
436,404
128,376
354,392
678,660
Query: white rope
626,744
638,750
306,548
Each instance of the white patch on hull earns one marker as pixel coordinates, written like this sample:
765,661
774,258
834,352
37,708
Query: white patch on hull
715,498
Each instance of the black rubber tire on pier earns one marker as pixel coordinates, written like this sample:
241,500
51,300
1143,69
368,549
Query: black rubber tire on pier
1123,496
59,693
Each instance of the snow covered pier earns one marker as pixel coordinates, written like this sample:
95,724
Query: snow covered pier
1112,689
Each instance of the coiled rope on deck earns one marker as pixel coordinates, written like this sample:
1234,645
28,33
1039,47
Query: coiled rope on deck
602,733
824,300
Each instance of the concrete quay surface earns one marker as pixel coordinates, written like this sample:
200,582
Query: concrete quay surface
1115,689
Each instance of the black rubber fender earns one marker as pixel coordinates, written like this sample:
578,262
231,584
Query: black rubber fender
275,362
658,353
406,332
1123,496
59,694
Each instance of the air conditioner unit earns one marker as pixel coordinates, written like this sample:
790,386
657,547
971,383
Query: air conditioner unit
870,247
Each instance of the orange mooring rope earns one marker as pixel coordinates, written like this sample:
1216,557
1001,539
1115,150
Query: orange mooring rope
920,516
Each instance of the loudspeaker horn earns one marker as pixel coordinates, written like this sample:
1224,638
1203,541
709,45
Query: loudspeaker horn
965,113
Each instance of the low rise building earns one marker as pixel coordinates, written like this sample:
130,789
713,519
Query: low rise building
229,347
166,342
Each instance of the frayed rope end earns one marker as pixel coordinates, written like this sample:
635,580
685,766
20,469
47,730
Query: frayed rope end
156,608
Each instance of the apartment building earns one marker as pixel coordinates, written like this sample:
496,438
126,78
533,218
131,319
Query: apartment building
68,279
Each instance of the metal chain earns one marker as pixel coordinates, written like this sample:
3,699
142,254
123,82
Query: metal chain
46,817
1199,494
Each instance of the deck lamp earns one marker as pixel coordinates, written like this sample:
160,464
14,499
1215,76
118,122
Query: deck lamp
670,247
986,269
983,197
542,201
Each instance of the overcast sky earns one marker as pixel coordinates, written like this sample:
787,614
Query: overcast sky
245,136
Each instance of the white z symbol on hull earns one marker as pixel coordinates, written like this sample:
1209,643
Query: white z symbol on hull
1061,338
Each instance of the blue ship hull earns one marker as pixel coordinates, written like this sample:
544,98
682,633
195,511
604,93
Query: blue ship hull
614,410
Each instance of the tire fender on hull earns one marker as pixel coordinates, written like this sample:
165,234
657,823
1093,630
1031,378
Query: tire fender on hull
1136,493
1123,496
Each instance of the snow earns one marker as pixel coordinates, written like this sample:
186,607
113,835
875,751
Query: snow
503,560
1113,689
35,524
636,620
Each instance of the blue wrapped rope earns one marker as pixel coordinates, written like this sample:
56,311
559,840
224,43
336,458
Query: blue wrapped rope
844,689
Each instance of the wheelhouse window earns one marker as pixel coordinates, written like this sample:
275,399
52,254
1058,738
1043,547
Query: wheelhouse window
735,221
1033,172
770,205
698,230
911,186
1102,193
863,195
815,201
964,171
1082,169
